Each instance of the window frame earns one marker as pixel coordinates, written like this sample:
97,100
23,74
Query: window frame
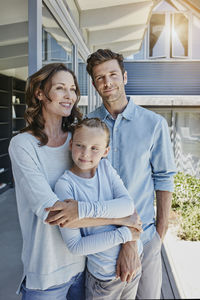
169,16
148,42
171,40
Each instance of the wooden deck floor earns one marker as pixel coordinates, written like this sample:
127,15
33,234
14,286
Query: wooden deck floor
169,289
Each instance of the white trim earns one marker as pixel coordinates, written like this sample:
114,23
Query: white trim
190,8
170,101
35,35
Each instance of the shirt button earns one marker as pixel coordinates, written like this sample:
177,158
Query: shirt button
115,149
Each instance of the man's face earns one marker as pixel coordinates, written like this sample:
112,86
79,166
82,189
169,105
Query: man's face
109,82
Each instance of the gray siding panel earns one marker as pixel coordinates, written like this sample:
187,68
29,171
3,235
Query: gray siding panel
163,78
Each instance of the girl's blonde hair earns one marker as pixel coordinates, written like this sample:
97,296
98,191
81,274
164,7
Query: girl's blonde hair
93,123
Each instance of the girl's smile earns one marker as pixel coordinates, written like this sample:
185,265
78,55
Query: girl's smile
88,146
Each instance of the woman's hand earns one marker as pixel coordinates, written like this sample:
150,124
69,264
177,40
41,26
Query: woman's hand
131,221
62,212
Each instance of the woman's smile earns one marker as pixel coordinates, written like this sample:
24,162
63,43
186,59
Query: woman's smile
66,104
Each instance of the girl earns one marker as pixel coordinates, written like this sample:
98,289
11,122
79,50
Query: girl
93,181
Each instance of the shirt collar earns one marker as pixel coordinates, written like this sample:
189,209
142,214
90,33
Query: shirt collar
126,114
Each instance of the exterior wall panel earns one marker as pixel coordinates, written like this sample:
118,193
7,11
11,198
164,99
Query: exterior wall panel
163,78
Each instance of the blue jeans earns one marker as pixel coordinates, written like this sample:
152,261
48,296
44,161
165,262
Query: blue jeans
71,290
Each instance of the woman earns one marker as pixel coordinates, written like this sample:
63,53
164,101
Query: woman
39,156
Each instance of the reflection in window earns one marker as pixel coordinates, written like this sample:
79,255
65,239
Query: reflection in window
58,52
57,47
185,135
187,142
157,36
179,35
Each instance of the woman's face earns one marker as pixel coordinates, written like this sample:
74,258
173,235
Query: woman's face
62,94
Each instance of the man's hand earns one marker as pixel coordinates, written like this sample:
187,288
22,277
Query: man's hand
128,263
62,212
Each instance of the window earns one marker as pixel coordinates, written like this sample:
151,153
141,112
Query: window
157,36
179,36
187,142
168,35
169,31
56,46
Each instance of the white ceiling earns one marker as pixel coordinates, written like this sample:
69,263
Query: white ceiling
116,24
14,38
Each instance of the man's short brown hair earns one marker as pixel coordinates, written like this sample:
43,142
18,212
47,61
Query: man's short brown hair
101,56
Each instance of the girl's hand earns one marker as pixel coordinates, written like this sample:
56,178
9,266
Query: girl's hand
62,212
128,262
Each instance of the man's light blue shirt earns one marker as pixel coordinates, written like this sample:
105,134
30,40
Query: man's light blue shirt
141,152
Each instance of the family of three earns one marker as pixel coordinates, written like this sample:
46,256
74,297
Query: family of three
81,184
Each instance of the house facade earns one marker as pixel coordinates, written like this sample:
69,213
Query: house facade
164,76
159,39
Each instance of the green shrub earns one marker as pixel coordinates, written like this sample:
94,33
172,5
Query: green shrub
186,201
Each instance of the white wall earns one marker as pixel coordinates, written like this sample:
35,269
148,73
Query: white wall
195,38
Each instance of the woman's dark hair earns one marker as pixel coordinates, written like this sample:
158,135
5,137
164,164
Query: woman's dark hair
101,56
33,114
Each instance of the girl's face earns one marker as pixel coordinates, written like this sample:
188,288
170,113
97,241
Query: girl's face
62,94
88,146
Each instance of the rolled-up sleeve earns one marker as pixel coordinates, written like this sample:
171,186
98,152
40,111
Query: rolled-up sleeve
162,158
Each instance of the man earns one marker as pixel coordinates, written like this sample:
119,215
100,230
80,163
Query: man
141,152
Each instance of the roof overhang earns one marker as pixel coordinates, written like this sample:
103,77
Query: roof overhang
116,24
